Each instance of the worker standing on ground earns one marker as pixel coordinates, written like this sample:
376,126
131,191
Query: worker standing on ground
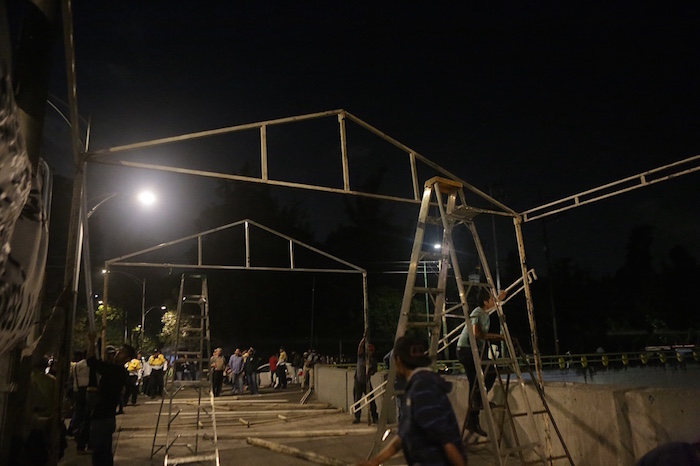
428,431
133,368
282,368
113,377
217,363
480,321
157,363
366,367
235,364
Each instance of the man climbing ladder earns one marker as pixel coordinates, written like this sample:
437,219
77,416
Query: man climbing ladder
480,322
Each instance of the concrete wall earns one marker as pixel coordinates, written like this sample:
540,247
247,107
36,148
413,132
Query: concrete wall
334,386
601,424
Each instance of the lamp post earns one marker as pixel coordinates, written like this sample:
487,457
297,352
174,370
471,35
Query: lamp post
144,313
137,280
146,198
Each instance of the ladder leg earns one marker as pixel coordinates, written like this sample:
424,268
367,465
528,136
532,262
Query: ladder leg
192,346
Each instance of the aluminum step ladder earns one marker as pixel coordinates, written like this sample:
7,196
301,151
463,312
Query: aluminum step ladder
504,369
446,200
191,435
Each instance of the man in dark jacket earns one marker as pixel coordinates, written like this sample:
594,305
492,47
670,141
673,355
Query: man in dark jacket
428,431
113,379
366,367
250,366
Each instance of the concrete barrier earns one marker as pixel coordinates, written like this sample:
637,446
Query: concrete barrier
334,386
601,424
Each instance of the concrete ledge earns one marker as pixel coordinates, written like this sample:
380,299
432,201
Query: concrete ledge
601,424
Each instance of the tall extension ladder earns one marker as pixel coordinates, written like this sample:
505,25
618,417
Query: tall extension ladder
193,345
505,437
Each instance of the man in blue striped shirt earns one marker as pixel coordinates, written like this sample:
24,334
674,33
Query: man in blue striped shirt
428,431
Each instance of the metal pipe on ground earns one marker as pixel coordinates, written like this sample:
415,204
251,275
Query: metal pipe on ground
295,452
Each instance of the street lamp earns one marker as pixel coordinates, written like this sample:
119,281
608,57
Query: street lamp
143,320
146,199
143,300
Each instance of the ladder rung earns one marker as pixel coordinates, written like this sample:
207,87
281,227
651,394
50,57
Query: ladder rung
191,329
190,459
431,255
424,290
479,284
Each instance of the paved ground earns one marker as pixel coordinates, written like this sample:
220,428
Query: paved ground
275,416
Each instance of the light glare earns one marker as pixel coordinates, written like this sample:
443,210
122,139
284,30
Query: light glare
147,198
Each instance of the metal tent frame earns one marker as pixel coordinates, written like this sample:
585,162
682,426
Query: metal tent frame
348,268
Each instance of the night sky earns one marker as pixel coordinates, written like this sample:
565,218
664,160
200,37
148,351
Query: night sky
532,101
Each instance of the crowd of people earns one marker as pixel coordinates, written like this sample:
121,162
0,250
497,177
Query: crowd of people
101,388
243,369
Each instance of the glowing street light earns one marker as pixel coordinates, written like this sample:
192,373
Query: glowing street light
146,198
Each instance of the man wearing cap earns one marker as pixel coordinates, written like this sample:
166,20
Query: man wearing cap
109,389
157,363
366,367
428,431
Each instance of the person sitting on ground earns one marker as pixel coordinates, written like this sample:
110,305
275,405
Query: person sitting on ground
428,431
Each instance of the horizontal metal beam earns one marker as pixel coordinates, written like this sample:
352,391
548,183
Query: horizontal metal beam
244,223
615,188
94,156
167,265
104,156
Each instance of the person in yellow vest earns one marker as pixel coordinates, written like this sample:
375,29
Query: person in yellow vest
157,363
133,367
